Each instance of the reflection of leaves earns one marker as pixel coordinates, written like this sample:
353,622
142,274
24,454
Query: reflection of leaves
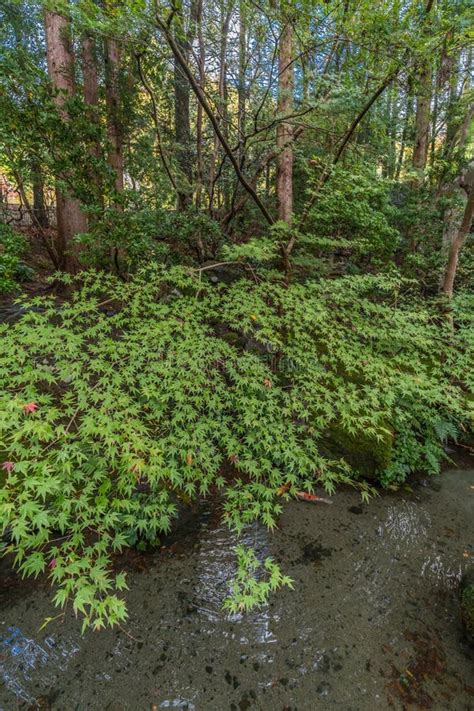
247,590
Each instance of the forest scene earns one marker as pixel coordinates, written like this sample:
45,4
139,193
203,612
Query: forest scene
236,354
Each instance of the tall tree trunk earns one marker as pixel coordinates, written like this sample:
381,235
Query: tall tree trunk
89,71
457,245
91,99
422,121
181,116
199,112
452,79
434,128
242,70
70,218
226,14
285,129
452,217
114,110
390,120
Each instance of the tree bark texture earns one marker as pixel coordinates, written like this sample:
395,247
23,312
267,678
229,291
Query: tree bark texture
114,110
285,129
70,218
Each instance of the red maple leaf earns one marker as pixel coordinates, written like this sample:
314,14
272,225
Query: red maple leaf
8,466
30,407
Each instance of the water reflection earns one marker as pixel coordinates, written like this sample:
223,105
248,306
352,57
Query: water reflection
441,572
407,523
22,659
178,704
367,581
216,570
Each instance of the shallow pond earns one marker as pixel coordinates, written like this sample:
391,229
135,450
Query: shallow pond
373,622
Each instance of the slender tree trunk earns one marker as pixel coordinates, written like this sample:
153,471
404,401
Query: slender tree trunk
114,110
451,220
457,126
434,122
285,129
223,109
457,245
390,119
39,205
201,97
49,244
199,111
181,116
242,69
70,218
155,119
222,116
452,79
404,136
422,121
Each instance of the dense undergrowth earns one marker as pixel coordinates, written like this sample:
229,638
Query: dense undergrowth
131,397
12,248
321,153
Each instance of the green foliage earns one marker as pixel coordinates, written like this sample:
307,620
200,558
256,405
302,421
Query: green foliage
352,219
131,395
361,364
134,407
192,235
34,133
465,272
123,237
259,250
418,218
138,235
461,352
12,248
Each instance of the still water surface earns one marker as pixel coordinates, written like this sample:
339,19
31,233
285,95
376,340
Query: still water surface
373,622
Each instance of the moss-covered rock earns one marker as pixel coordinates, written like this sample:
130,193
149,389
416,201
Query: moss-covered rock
467,603
367,455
